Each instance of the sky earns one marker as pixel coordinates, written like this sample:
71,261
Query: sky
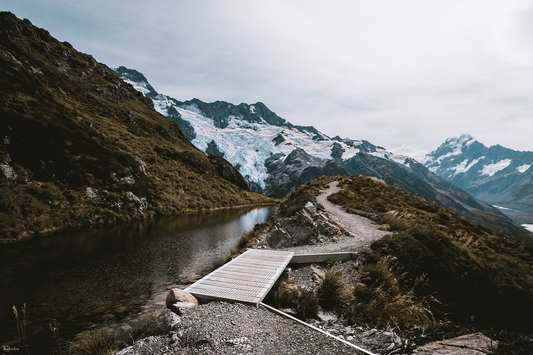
405,75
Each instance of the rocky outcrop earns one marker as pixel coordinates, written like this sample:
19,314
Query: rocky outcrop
308,226
186,127
226,171
164,324
336,151
212,148
221,112
470,344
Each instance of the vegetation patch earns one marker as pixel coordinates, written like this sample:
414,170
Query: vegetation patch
381,300
473,275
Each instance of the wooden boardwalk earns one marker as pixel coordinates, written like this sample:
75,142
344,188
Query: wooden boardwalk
247,278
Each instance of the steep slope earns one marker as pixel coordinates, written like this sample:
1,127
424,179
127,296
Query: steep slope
275,156
474,276
496,175
82,147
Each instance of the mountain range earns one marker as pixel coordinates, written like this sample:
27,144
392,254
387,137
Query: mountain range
84,145
275,156
497,175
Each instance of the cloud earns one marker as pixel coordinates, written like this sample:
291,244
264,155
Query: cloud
395,73
412,152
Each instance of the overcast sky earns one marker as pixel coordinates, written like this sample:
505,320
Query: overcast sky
405,75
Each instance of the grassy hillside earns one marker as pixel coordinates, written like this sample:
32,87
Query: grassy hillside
473,275
81,147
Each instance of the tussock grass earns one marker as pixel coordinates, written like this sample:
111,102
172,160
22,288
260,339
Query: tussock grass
395,221
380,300
54,327
283,294
333,290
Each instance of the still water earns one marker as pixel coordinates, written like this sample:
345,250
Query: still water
118,275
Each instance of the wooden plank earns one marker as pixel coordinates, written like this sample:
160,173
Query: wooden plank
231,275
248,282
320,258
247,278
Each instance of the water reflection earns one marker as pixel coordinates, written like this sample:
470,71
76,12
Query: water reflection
84,277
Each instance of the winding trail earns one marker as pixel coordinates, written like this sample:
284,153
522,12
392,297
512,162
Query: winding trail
365,232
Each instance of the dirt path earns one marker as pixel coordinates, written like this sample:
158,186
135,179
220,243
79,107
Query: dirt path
362,227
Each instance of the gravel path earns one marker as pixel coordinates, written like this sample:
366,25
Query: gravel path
236,328
362,227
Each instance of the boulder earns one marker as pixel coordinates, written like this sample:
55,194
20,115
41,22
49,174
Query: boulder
181,307
318,274
470,344
176,295
380,341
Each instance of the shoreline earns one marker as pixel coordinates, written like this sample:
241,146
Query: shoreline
111,224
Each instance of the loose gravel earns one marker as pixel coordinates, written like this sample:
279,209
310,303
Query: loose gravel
234,328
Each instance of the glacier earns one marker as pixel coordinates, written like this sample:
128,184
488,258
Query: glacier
491,169
523,168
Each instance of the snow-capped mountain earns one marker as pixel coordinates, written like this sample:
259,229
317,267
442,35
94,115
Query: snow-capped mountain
248,135
497,175
275,156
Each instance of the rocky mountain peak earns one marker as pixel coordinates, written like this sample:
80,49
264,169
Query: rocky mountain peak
462,139
138,80
497,175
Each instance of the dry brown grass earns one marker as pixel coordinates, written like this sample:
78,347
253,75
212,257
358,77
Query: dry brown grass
98,342
22,324
381,300
479,276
